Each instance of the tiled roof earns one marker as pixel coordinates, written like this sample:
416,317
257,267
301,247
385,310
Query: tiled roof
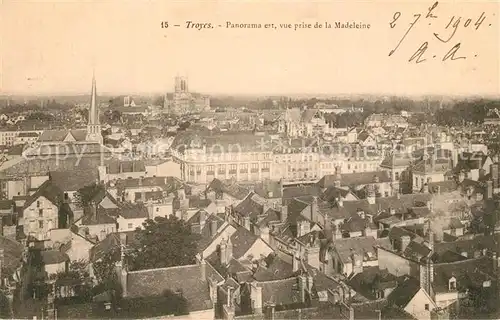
405,291
242,241
100,216
53,257
37,166
250,206
468,273
59,135
302,190
229,187
269,189
12,252
184,279
332,193
133,210
280,292
74,179
6,204
425,166
74,150
48,190
364,246
273,268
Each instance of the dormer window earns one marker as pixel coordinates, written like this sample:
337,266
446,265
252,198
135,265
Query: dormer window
452,284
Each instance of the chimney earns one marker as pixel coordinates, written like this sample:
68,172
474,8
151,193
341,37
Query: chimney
256,298
213,227
203,272
495,262
310,283
340,202
489,190
430,205
295,262
425,188
370,194
229,250
405,241
203,219
392,211
1,266
284,213
338,174
223,253
246,223
302,283
314,208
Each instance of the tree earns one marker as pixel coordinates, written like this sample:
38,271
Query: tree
163,242
84,196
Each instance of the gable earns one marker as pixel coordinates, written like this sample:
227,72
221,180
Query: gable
69,138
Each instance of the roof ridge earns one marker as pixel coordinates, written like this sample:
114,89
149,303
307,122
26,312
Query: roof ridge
165,268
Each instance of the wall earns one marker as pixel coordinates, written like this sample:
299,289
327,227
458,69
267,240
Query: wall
37,181
165,169
99,230
416,306
55,268
80,248
396,264
258,249
160,210
15,188
129,224
33,219
224,234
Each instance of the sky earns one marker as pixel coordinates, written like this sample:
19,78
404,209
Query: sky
53,47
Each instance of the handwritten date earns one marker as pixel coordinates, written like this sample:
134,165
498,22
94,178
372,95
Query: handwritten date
448,32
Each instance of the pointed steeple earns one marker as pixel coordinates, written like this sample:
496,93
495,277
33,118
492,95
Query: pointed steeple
93,112
93,126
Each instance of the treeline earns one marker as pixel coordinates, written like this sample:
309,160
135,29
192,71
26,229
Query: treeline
464,112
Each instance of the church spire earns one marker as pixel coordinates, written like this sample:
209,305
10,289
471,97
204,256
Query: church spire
93,126
93,112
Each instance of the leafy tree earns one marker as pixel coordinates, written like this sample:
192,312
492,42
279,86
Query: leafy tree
84,196
104,268
5,309
163,242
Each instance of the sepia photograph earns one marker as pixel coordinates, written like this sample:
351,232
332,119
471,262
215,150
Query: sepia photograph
243,160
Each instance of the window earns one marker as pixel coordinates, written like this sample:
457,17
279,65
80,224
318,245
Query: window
396,176
221,169
265,167
427,306
243,168
255,167
210,169
40,212
157,209
232,168
452,284
38,204
40,224
130,225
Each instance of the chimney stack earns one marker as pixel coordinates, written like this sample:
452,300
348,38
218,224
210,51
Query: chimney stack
213,227
314,208
340,202
203,219
1,266
405,241
489,190
284,213
295,262
223,253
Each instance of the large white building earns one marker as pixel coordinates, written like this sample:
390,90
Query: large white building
250,157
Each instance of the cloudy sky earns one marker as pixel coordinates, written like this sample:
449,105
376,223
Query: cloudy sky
52,47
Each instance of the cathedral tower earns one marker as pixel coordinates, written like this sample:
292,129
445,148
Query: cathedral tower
93,126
